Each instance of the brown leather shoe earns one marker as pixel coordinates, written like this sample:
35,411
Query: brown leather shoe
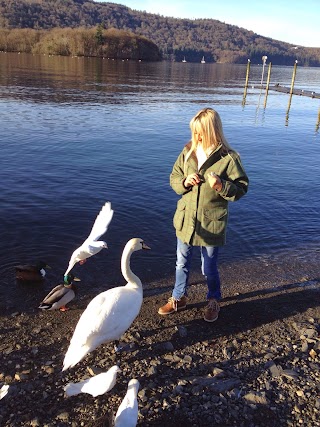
173,305
211,312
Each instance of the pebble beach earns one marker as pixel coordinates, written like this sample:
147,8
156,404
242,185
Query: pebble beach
257,365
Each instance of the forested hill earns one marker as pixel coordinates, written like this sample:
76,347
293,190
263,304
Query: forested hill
176,38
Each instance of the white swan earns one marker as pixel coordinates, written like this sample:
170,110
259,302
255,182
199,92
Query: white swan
91,246
96,385
127,413
109,314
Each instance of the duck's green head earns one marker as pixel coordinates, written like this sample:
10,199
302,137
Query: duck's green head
69,278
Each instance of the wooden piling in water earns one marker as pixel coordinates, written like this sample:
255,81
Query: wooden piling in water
277,87
318,122
293,76
268,78
268,83
247,75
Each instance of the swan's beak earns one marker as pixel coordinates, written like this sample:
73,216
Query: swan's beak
144,246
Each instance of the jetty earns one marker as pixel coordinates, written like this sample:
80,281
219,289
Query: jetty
277,87
300,92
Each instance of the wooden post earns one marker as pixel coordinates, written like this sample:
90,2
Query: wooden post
293,76
248,71
246,84
268,84
288,110
268,78
318,122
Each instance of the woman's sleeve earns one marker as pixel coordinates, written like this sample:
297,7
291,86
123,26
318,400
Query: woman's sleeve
177,177
236,183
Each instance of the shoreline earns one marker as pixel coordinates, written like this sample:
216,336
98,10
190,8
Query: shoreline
257,365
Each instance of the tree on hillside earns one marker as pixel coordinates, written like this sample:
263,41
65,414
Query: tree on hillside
219,42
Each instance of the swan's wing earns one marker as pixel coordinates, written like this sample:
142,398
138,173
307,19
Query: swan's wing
94,327
106,317
101,223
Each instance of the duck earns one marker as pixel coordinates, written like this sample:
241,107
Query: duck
127,413
31,272
60,295
96,386
92,245
109,315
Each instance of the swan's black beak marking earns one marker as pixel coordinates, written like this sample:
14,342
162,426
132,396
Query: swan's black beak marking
144,246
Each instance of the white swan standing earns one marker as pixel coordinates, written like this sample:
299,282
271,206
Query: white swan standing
96,385
109,314
91,246
127,413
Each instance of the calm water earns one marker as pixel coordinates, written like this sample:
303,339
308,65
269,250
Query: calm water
76,132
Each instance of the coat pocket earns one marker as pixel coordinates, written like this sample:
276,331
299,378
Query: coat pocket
178,218
215,220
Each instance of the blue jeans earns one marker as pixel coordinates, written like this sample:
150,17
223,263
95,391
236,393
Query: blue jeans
209,267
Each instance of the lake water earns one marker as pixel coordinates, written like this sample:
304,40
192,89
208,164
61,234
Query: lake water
76,132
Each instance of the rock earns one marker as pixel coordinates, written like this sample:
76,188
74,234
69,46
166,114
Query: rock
63,416
224,385
256,398
313,353
290,373
182,331
276,371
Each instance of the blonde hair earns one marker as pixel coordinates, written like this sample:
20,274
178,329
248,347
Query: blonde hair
207,122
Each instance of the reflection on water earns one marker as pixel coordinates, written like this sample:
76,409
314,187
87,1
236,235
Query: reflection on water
80,131
64,79
318,121
306,81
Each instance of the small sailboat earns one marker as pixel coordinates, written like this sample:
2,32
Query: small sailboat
184,59
203,61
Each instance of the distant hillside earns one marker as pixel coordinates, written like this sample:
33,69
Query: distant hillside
176,38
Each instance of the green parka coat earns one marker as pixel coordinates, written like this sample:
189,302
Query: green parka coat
201,216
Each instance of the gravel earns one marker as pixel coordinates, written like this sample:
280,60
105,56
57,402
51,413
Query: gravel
257,365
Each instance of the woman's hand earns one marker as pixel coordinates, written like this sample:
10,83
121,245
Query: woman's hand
191,180
215,181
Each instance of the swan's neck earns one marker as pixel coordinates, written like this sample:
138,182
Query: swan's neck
127,273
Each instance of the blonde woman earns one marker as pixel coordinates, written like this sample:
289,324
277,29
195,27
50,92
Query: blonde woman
207,174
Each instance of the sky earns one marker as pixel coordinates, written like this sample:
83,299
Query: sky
291,21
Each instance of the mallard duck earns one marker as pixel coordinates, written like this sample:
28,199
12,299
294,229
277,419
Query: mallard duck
58,297
91,246
97,385
30,272
109,314
127,413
